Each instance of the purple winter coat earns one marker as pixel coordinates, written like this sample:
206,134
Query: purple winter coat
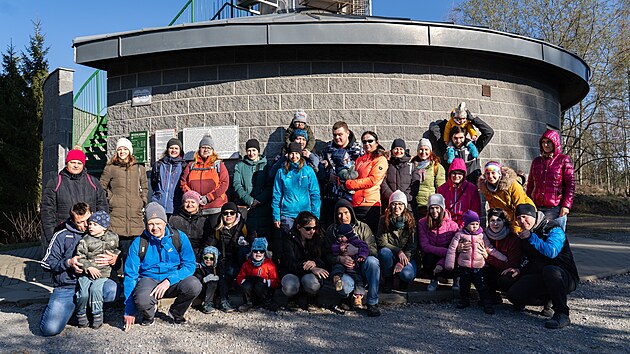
437,241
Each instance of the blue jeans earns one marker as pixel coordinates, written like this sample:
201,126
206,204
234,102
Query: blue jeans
371,272
61,307
90,291
386,257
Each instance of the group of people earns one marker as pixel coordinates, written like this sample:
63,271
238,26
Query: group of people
353,214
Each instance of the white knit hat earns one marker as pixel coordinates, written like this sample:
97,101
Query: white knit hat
126,143
425,142
436,199
398,196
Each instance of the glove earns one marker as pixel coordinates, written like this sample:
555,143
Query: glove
472,149
242,242
268,281
210,277
204,200
450,154
469,115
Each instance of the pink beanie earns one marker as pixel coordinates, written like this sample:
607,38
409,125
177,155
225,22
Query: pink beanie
75,155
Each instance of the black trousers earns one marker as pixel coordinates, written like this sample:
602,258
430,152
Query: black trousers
497,282
553,283
468,276
369,215
429,261
184,293
255,291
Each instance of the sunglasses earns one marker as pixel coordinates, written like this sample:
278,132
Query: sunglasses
309,228
368,141
229,213
208,258
258,251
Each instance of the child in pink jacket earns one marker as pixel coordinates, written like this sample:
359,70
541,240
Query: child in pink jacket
472,261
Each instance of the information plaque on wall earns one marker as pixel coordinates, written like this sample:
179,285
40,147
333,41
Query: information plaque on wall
225,140
139,141
162,136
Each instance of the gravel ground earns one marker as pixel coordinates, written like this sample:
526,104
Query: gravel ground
600,315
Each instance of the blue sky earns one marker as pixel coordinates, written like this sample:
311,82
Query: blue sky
64,20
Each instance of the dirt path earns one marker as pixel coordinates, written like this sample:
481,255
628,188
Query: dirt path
609,228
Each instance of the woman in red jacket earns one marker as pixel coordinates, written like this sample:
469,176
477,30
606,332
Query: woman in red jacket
207,175
459,194
551,182
372,168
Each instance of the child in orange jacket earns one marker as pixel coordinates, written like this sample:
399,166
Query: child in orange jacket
258,278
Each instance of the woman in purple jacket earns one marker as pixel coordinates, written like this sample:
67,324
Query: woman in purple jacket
435,232
551,182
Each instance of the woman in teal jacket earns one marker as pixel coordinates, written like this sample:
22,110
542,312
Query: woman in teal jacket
295,189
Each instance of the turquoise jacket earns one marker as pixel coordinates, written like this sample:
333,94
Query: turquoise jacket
295,191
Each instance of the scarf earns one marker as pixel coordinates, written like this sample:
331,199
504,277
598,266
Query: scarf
399,222
497,236
421,169
294,165
258,263
492,188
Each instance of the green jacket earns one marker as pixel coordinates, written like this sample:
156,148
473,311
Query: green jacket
250,181
434,177
396,240
310,143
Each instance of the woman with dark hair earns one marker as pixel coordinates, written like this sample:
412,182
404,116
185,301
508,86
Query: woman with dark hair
399,173
372,168
301,262
165,177
428,175
396,240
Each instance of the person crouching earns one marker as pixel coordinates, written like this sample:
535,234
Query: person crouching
258,278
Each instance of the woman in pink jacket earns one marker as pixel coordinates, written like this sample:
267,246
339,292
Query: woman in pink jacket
435,232
551,182
459,194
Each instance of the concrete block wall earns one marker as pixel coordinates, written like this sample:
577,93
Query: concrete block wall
396,100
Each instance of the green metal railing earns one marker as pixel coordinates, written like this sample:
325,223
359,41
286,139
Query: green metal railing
199,11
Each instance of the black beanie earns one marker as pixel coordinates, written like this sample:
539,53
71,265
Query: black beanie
294,147
175,141
252,143
398,143
229,206
526,209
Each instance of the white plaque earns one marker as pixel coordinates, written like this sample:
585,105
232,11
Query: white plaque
141,96
225,140
162,137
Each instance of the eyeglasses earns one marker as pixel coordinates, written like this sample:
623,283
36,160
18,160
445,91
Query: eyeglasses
258,251
205,148
208,258
368,141
309,228
229,213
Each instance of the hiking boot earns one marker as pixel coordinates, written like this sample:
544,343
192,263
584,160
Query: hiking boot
488,309
176,320
97,320
547,311
226,306
373,311
292,306
270,305
456,284
358,301
388,285
148,321
245,307
463,303
82,321
433,285
338,283
208,307
559,320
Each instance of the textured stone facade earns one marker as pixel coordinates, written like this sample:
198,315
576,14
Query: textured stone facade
394,99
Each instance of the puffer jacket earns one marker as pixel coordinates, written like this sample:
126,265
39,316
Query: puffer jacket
267,271
398,177
295,191
90,247
470,259
436,241
397,240
202,177
195,226
434,177
165,183
127,190
63,192
226,240
508,196
367,186
461,198
551,180
62,247
353,148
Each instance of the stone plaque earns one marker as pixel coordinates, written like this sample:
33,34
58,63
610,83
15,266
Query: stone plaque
141,96
225,140
162,137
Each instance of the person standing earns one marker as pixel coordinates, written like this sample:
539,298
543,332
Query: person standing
165,177
399,173
428,175
551,182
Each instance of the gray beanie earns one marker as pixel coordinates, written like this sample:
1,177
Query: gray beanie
300,116
425,142
154,210
436,199
206,141
398,196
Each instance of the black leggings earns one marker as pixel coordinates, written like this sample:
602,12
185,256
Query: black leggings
553,283
429,261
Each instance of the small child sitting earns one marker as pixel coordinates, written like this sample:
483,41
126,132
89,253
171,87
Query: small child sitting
349,244
344,169
459,117
472,261
299,122
96,242
258,278
208,274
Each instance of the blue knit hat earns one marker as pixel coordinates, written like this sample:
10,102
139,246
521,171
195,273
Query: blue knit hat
299,132
260,244
100,217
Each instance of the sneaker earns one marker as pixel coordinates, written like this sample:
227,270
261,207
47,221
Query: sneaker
245,307
176,320
463,303
559,320
208,307
547,311
292,306
226,306
488,309
97,321
456,284
312,308
358,301
148,321
338,283
373,311
82,321
433,285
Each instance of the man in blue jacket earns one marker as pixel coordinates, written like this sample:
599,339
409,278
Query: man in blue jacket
65,267
160,264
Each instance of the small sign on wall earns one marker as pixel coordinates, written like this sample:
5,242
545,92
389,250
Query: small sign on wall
141,96
139,141
225,140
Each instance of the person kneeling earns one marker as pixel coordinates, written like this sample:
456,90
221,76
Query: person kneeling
258,278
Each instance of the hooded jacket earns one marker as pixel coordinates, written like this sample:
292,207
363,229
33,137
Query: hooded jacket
63,192
127,190
360,228
295,191
61,248
165,182
398,177
203,177
354,149
90,247
461,198
267,271
436,241
367,187
195,226
161,261
508,196
551,180
397,240
294,254
250,181
473,166
470,259
433,178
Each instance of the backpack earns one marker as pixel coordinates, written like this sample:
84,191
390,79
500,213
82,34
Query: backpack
144,243
89,178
